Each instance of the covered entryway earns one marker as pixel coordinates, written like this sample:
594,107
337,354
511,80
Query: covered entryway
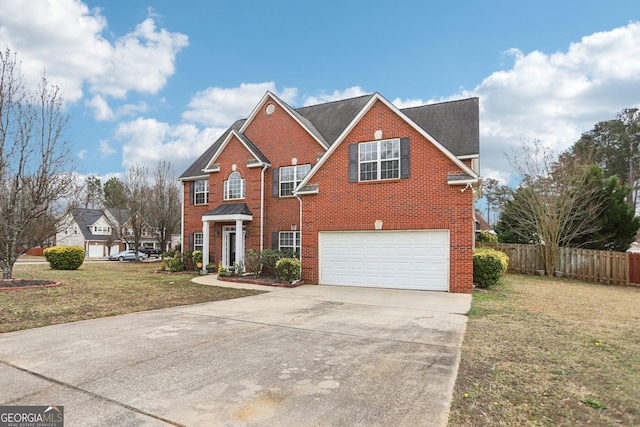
407,259
233,242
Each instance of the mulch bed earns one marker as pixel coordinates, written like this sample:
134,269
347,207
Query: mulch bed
15,284
261,280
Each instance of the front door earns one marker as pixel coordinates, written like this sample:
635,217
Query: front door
229,246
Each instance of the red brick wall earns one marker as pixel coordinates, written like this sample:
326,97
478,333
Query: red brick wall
280,138
424,201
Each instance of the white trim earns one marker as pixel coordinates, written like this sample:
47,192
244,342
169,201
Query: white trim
268,95
300,192
193,178
469,156
227,218
212,169
377,97
211,163
226,236
462,182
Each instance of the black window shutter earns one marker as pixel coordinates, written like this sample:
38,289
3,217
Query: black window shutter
275,244
404,158
353,163
192,192
190,241
275,189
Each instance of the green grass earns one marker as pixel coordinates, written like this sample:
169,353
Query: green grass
550,352
99,290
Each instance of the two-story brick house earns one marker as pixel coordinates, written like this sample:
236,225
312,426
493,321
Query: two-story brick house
366,193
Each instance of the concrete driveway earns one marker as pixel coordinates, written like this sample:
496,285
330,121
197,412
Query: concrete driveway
309,356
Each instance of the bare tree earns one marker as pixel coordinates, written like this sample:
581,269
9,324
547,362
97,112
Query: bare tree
164,207
128,219
35,160
556,201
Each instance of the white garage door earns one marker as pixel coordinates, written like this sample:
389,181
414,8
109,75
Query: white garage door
96,251
412,259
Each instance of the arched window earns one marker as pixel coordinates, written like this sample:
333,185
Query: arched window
234,186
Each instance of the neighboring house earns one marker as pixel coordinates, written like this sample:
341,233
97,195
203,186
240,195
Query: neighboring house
366,193
96,231
482,224
90,229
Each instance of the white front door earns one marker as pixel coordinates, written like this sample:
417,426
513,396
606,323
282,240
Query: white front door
229,245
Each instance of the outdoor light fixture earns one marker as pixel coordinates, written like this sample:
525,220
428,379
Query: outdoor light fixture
473,190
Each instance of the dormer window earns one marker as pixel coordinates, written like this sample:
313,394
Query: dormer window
234,187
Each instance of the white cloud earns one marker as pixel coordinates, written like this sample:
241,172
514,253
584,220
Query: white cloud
556,97
102,112
106,149
216,106
100,108
148,141
82,154
141,61
65,39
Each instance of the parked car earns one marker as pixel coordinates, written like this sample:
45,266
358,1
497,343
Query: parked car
127,256
150,251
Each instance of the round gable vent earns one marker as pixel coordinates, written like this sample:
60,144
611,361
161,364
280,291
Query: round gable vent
270,108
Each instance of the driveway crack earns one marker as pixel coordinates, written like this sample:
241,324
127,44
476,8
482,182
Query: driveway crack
92,394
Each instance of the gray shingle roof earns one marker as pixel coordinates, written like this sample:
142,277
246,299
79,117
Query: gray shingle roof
230,209
453,124
331,118
85,218
196,167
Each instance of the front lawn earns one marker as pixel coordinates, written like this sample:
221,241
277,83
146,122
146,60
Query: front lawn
550,352
99,290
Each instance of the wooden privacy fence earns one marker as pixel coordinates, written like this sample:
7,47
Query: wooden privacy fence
583,264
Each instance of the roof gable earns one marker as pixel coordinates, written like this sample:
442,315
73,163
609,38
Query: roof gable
301,120
196,170
455,124
375,98
250,146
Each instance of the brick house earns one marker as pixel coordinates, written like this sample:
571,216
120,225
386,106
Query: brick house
366,193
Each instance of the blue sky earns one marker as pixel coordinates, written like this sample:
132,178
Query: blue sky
159,80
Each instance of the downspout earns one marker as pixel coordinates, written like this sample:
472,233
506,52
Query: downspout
264,168
300,227
182,221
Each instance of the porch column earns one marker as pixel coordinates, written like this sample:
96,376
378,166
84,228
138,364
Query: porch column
205,244
239,242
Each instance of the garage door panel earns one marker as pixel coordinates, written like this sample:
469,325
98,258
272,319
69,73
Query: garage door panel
417,259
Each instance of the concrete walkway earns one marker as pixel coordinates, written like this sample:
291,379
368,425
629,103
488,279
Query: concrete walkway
307,356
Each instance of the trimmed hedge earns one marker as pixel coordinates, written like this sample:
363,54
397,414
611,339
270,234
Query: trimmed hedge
64,257
489,266
288,269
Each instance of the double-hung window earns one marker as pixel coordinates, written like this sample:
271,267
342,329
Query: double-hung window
290,241
197,242
201,192
234,187
290,177
379,160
